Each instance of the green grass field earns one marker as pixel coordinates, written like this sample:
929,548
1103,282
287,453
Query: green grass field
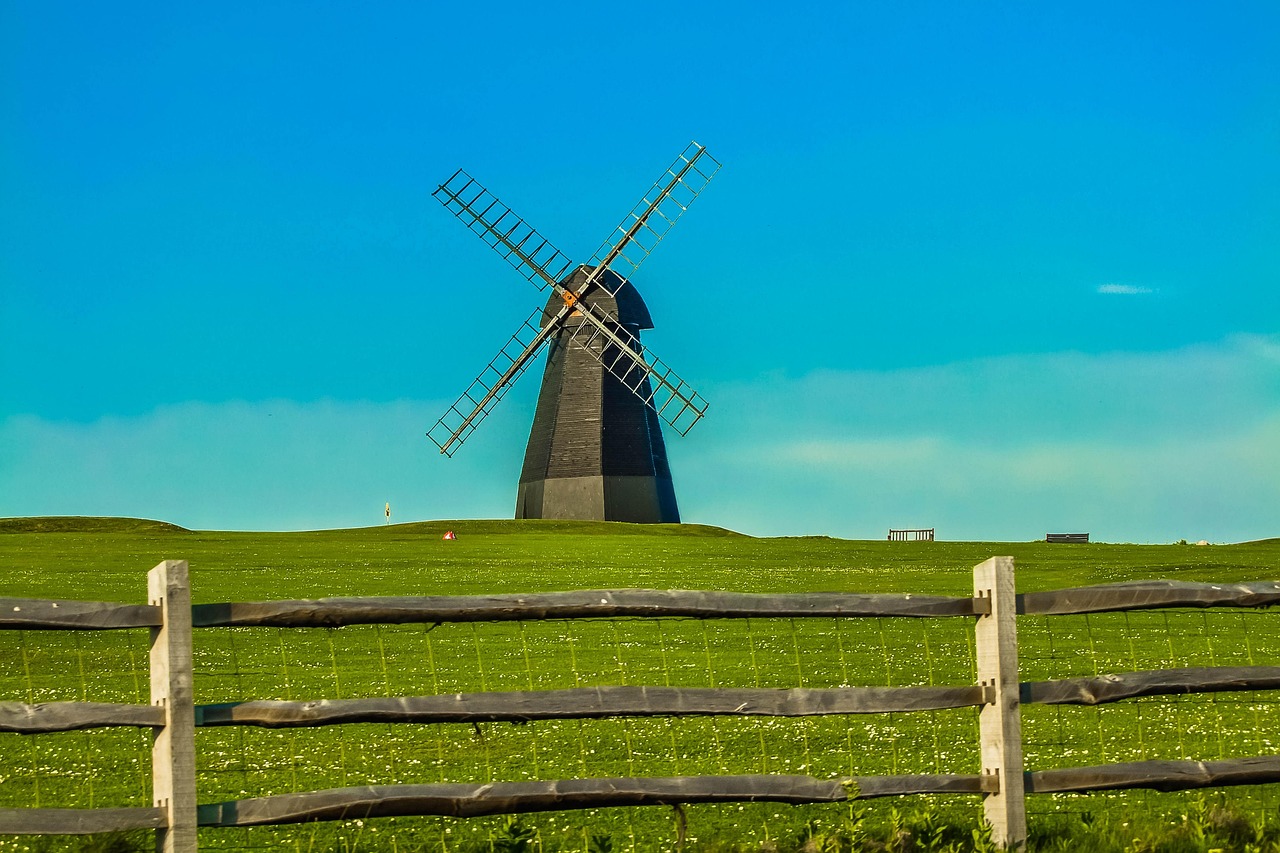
107,559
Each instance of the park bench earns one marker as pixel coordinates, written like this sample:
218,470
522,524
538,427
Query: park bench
911,535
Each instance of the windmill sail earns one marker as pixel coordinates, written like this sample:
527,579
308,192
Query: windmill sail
488,388
643,373
506,233
643,228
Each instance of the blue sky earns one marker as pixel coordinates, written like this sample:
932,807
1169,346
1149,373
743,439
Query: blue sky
994,268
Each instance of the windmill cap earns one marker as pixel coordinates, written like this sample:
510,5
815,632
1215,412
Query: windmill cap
625,304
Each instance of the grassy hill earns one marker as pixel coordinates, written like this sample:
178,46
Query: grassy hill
107,559
86,524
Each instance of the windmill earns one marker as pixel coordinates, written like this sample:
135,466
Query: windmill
595,449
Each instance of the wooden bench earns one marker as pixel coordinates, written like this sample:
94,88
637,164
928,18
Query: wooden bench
1067,537
911,535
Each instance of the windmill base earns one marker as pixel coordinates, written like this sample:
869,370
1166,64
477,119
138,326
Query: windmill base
641,500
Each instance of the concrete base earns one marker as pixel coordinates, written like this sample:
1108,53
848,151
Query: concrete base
641,500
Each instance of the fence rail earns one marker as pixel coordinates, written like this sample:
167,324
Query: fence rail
999,694
525,797
581,604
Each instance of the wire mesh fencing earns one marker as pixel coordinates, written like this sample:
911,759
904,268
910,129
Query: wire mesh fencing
466,658
1188,726
316,669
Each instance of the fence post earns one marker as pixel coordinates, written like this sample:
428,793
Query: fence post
173,749
1000,722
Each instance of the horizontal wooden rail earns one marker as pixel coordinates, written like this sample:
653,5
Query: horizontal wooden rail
1101,689
38,613
635,701
589,703
78,821
870,787
1157,775
46,717
461,800
578,604
1148,595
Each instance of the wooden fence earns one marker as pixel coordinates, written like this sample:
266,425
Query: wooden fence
1003,782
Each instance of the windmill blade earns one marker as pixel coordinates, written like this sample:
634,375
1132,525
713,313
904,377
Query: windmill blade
488,388
505,232
537,260
649,221
644,374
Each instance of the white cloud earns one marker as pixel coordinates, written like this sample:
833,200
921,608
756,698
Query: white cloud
1128,446
1222,488
271,465
1126,289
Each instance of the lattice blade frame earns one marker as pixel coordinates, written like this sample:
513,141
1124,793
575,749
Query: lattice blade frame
643,228
484,392
503,230
643,373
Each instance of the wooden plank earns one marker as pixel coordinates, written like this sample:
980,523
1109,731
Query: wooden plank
578,604
461,800
173,748
1158,775
590,702
1148,595
1000,723
868,787
78,821
46,717
48,614
1101,689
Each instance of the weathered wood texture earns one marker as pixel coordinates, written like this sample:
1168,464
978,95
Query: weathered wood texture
590,702
636,701
46,717
1098,690
582,604
78,821
1158,775
1000,722
869,787
519,797
173,746
42,614
1148,595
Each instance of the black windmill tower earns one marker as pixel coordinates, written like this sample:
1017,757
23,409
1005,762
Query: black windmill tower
595,450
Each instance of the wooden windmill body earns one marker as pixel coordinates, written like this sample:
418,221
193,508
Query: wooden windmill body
596,449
